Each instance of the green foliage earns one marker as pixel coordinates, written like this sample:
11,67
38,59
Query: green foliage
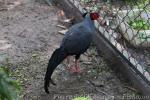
140,4
8,86
82,98
137,1
139,24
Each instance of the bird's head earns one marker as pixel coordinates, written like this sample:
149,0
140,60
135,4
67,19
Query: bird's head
93,15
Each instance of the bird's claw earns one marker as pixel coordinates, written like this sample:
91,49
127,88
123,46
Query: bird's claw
46,85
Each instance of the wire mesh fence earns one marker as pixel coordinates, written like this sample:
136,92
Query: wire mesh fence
126,25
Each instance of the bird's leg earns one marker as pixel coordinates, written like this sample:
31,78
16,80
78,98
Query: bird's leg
75,68
68,62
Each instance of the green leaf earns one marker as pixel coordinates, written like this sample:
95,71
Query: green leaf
8,86
82,98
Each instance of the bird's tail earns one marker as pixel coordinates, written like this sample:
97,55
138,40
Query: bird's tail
57,57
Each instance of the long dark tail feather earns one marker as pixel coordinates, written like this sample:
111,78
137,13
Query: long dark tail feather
57,57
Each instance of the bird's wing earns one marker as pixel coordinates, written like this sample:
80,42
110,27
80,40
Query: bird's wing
76,40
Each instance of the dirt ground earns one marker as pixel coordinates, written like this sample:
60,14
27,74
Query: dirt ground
29,35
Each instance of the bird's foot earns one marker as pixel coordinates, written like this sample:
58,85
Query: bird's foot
74,69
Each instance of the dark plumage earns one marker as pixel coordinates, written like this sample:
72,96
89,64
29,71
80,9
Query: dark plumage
75,42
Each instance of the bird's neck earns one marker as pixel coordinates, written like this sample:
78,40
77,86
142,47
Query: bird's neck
89,22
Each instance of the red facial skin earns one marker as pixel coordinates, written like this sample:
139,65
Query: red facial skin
94,16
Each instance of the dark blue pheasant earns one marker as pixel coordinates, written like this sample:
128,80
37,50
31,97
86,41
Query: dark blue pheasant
76,41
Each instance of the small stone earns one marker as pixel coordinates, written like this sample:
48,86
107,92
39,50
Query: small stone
98,83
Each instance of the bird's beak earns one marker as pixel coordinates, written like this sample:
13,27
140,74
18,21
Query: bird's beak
100,18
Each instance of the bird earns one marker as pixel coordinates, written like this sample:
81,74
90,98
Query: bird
75,42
